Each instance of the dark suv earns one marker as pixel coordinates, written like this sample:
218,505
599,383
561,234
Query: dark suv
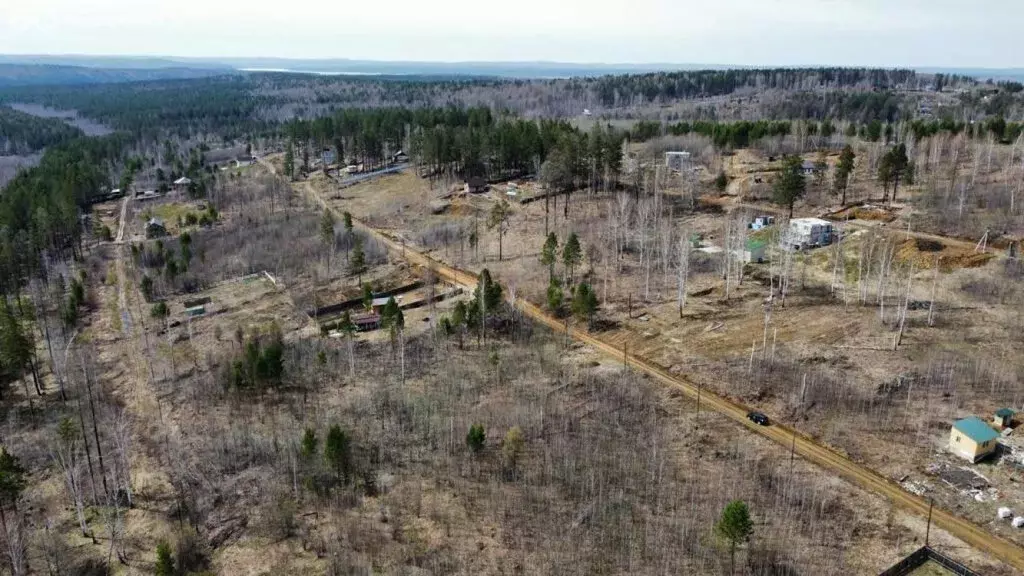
758,418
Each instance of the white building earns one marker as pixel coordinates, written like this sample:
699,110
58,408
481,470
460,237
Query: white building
677,161
808,233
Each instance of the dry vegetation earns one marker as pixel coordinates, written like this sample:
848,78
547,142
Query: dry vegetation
823,359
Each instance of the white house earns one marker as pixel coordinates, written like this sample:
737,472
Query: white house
808,233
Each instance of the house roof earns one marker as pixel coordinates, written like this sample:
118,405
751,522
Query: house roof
809,222
381,301
1004,412
155,222
183,180
975,429
808,165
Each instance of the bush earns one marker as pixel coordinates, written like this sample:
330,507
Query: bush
279,517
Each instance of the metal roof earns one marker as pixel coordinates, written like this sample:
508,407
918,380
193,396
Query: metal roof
1004,412
975,429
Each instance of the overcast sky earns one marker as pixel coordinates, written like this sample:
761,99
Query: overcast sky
978,33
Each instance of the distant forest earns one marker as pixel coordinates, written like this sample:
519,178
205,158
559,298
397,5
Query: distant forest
23,134
255,104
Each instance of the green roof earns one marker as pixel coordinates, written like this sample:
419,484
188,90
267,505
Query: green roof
975,429
1004,412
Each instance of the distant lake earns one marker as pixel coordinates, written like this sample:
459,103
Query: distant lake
71,117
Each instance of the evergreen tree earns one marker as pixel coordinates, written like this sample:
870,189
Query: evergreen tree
555,295
476,438
549,255
309,443
12,483
327,236
164,560
367,297
357,262
338,452
735,527
572,254
790,185
721,181
584,303
844,169
898,162
289,160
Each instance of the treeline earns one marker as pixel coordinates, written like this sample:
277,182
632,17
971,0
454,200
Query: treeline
254,105
39,209
632,89
225,106
22,134
453,141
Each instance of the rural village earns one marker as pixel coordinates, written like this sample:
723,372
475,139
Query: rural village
474,340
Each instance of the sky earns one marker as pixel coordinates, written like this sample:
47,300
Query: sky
964,33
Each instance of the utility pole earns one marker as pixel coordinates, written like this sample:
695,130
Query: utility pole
792,451
928,530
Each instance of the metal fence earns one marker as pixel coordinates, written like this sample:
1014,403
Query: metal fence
924,554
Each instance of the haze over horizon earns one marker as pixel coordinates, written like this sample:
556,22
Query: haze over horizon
916,33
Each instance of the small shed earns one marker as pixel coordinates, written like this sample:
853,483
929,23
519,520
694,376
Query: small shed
971,438
399,157
367,322
476,185
378,304
1003,418
808,168
755,251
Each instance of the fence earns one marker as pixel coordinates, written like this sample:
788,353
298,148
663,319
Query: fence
924,554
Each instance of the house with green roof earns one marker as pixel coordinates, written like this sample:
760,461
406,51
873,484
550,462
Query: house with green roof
1003,418
972,438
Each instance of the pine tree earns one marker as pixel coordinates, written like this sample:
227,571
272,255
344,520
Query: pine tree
309,443
367,297
790,185
549,255
289,160
572,254
338,452
555,295
357,262
12,483
164,560
843,170
735,527
584,303
476,438
327,236
899,163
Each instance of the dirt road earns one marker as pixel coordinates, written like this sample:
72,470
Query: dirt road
825,457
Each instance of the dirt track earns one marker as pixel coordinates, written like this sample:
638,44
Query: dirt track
972,534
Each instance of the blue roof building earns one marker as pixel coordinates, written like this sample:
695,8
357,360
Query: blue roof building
972,438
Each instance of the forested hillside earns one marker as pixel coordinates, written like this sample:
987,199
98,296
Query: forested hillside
253,104
22,133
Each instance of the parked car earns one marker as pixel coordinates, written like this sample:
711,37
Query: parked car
759,418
